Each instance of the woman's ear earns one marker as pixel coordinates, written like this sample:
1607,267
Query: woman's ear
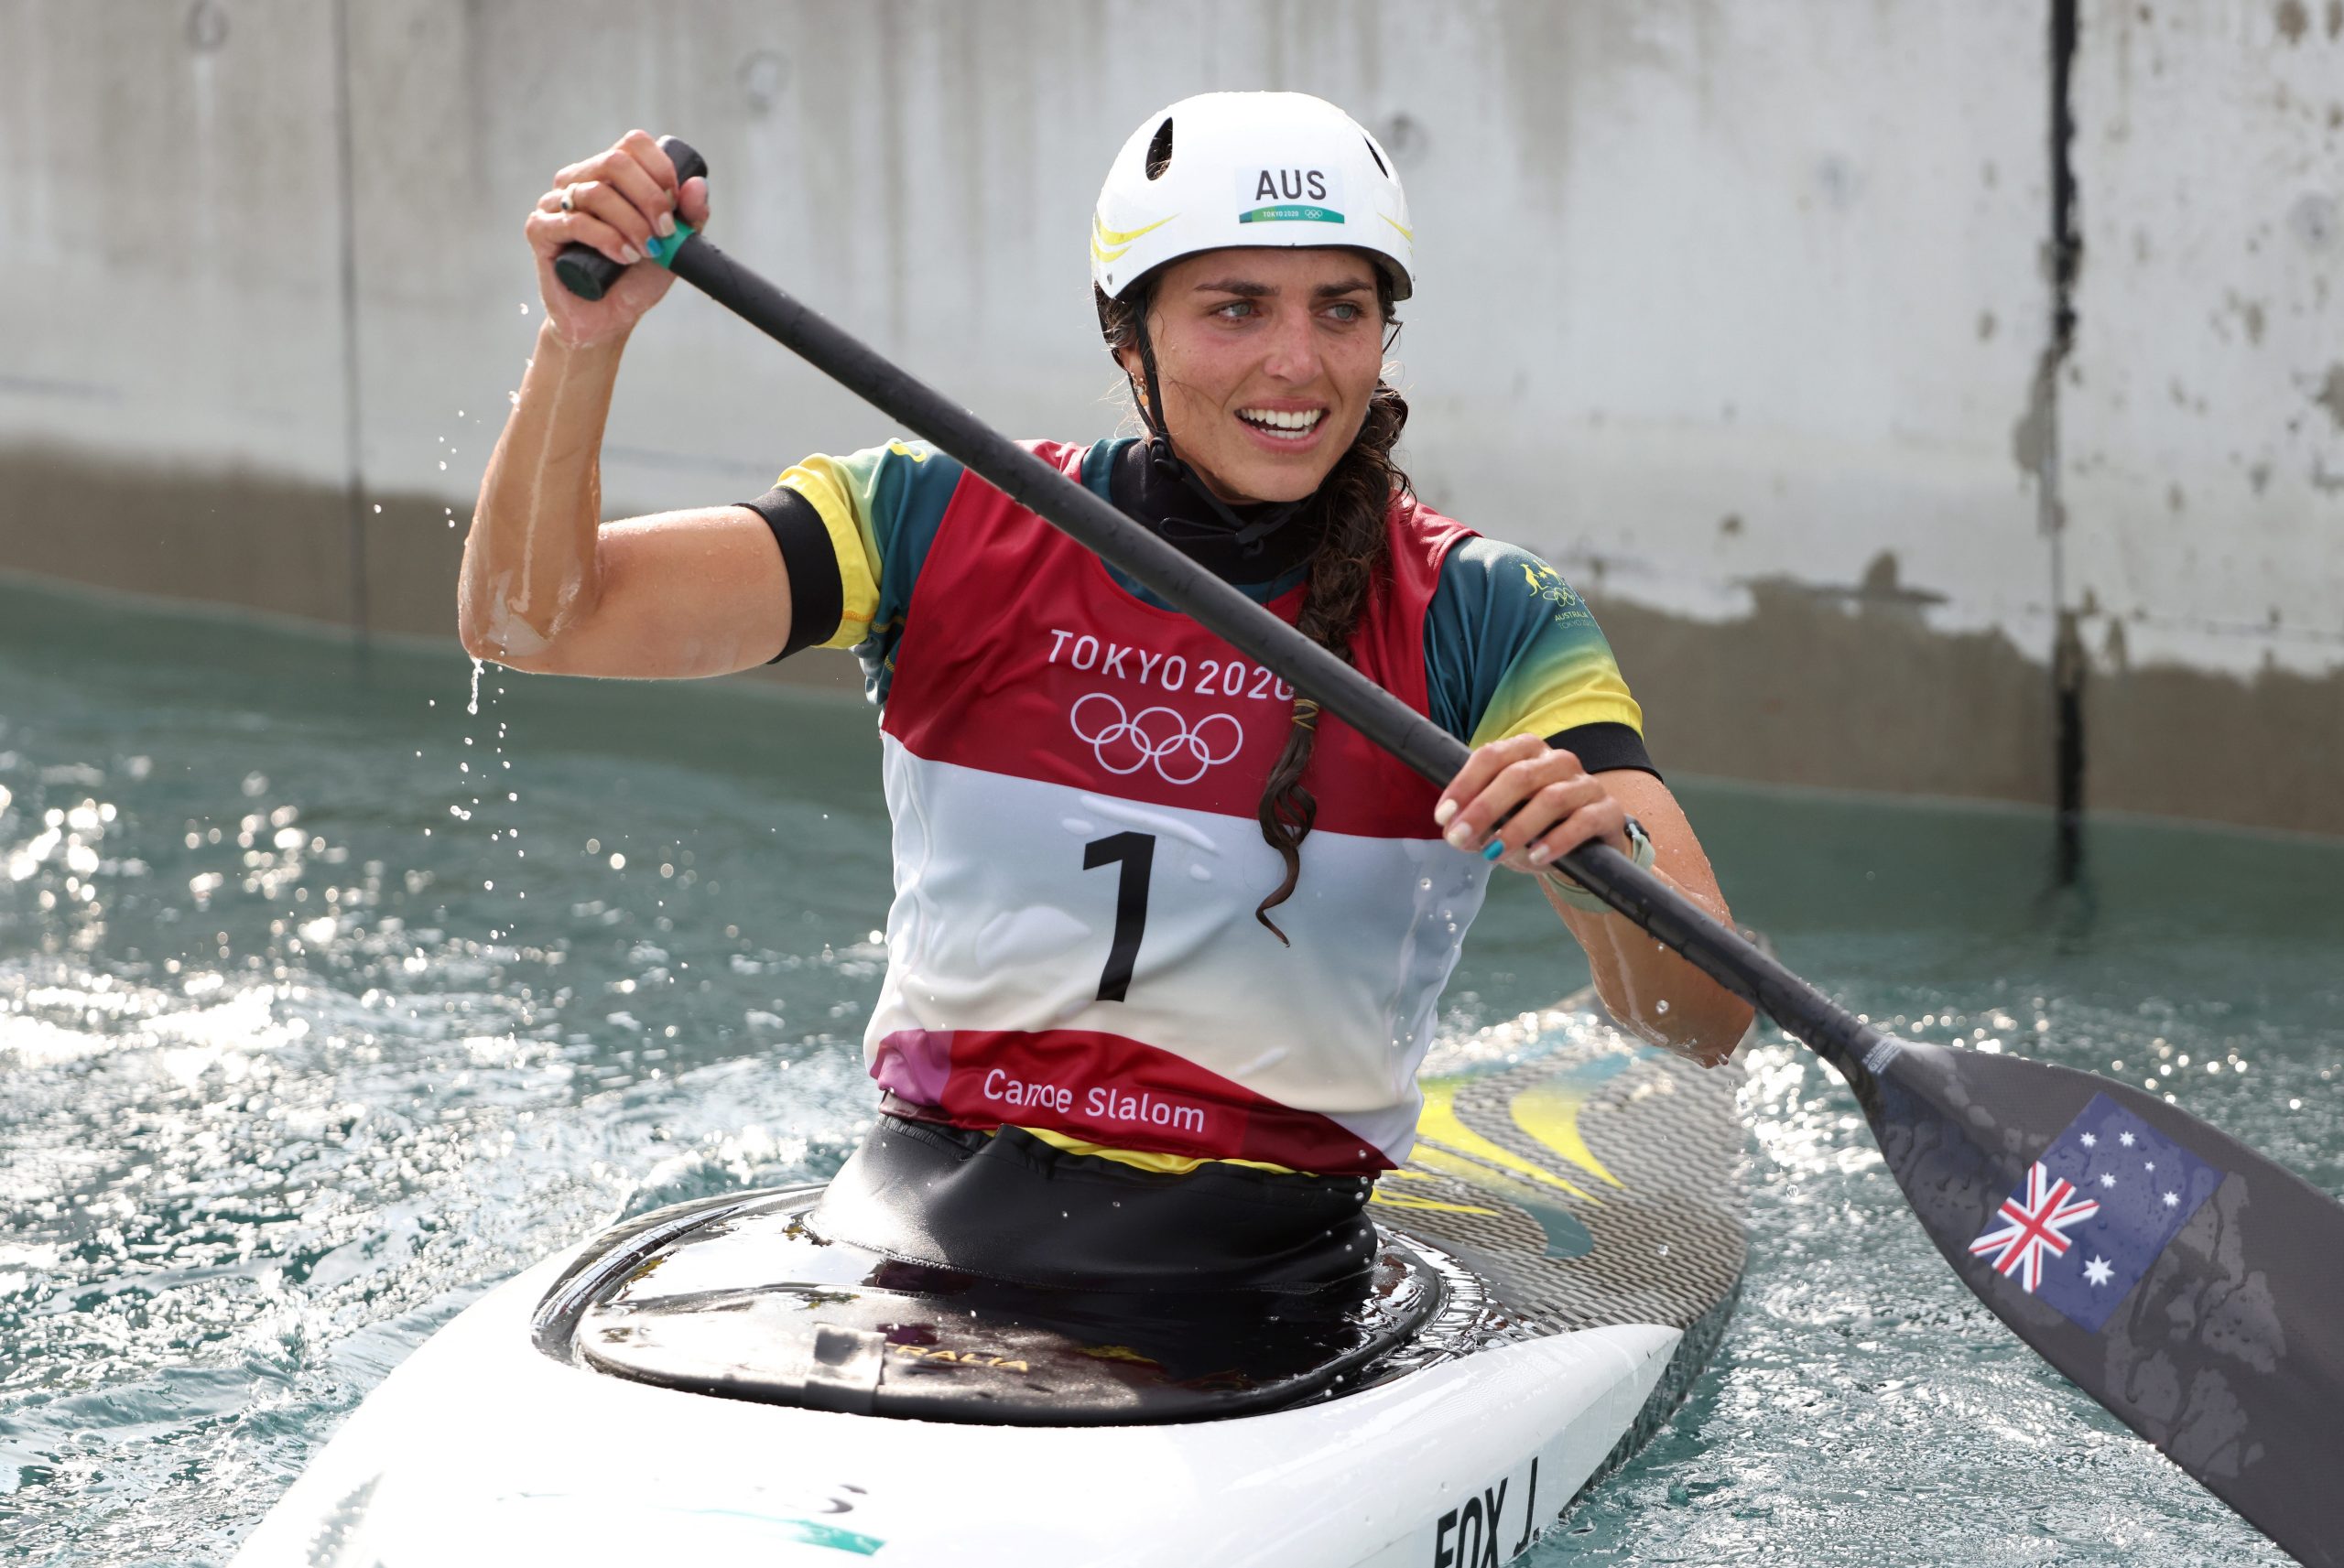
1137,373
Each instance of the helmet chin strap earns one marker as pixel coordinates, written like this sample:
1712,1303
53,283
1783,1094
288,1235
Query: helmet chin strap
1248,535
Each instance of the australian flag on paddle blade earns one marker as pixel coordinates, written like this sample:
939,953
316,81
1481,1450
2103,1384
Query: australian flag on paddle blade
2095,1212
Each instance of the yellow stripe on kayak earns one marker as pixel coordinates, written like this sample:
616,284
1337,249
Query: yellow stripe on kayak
1449,1138
1550,1112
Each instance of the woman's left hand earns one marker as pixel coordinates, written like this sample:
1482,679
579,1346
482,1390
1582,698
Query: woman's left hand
1562,806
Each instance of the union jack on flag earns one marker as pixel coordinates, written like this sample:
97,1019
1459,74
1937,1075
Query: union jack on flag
2033,1225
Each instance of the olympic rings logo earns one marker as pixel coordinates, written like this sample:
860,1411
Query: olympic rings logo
1157,736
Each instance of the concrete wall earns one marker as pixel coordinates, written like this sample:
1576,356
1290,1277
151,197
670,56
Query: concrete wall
1736,311
2203,410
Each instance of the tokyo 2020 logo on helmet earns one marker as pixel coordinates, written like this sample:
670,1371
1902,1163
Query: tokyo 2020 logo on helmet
1227,169
1159,736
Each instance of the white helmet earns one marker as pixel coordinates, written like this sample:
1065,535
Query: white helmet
1227,169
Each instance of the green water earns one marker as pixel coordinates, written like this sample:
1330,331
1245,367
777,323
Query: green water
327,1001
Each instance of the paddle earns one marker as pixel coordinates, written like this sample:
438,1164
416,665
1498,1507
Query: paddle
2188,1285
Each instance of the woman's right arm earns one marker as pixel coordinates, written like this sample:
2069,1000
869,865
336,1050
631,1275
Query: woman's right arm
546,586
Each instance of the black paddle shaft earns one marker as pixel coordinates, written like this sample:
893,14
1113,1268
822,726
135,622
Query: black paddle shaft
1711,946
2224,1346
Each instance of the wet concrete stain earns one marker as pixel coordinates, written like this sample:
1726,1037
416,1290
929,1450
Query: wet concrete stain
2330,395
2293,20
2249,312
2031,433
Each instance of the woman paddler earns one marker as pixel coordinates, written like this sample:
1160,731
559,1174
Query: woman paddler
1166,943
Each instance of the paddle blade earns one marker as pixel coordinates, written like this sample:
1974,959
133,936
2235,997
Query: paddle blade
2185,1282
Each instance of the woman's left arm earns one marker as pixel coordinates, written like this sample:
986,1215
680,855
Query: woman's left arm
1648,988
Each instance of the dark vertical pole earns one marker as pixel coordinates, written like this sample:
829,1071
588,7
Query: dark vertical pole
2068,247
2067,703
353,429
2067,662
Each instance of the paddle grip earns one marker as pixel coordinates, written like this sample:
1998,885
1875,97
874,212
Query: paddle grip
587,272
1713,947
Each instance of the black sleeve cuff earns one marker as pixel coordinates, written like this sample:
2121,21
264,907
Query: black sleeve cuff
1601,748
816,601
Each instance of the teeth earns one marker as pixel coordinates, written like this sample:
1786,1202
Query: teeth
1279,419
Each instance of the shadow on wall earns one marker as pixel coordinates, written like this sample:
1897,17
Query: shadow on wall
256,542
1850,689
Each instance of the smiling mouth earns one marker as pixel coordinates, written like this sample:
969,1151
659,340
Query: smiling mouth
1284,425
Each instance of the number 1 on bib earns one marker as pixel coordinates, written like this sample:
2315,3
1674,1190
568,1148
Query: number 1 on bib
1137,851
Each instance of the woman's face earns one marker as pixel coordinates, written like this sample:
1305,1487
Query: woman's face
1265,359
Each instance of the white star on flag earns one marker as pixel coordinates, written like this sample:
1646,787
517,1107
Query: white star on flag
2173,1200
2106,1181
2098,1273
2125,1139
2148,1165
2090,1141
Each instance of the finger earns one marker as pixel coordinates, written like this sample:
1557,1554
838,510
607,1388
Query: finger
1546,807
1478,821
549,231
644,149
599,201
692,203
638,147
1484,764
1601,818
651,190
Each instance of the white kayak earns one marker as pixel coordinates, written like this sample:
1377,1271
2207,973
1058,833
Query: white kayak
715,1385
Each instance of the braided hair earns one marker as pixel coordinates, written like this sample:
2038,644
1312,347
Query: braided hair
1347,514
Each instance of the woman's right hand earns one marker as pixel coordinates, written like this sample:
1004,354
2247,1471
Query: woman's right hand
619,199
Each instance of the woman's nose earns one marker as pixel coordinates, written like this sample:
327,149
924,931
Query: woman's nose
1294,347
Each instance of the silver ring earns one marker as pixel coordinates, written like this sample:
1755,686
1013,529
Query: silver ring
568,195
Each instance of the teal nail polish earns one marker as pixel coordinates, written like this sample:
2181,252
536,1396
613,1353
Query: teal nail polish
1496,847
